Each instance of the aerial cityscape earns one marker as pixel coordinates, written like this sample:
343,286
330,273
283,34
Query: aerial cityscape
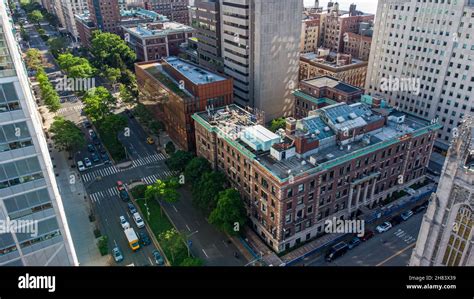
244,133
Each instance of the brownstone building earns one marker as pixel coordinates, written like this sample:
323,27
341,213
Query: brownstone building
323,91
175,89
338,162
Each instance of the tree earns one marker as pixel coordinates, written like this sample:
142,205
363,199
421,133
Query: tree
178,160
130,81
35,16
24,35
175,242
98,103
33,58
170,148
277,124
75,67
195,169
125,94
57,46
206,190
109,128
67,136
229,215
162,191
48,94
112,75
109,50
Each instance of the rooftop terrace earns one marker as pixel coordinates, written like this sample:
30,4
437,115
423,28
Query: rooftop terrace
327,81
144,31
331,60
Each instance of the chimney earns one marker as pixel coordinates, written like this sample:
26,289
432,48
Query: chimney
290,126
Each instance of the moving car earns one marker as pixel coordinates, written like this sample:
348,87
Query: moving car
144,239
124,222
120,186
87,162
117,254
91,148
158,258
138,220
354,243
80,166
105,157
407,214
336,251
383,227
367,235
396,220
150,140
95,157
132,208
419,209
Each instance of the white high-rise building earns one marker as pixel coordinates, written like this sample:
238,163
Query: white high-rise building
422,59
33,230
260,48
69,9
446,236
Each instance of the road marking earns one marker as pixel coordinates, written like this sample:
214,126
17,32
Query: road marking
396,254
205,253
175,209
188,227
151,262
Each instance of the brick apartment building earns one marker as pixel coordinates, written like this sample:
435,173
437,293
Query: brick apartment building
357,45
310,35
323,91
175,89
152,41
340,66
337,162
175,10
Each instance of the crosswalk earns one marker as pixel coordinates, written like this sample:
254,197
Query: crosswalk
407,238
153,178
71,108
103,172
108,193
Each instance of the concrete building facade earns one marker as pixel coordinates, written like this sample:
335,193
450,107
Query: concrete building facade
36,232
446,236
70,8
260,47
423,48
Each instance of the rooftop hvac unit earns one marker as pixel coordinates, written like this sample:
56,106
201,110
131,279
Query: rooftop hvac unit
326,129
312,160
179,66
185,68
303,162
210,78
352,115
317,132
340,119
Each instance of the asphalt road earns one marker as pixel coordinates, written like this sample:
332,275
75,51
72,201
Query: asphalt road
392,248
134,138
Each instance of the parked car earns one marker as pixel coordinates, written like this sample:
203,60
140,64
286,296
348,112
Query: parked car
90,148
105,157
407,214
102,149
138,220
383,227
419,209
117,254
87,162
124,222
131,208
158,258
354,243
96,141
150,140
144,239
95,157
120,186
336,251
80,166
367,235
87,124
92,134
396,220
124,195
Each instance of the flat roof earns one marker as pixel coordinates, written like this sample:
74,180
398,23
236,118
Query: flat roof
329,81
314,58
194,73
142,30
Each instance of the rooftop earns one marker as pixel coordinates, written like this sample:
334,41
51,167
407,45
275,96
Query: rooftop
332,60
327,81
194,73
143,13
157,29
233,122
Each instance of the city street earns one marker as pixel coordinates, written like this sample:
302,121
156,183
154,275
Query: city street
392,248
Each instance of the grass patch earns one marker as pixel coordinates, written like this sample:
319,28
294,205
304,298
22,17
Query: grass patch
159,223
113,145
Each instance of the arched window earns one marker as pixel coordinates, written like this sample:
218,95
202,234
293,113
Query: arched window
459,238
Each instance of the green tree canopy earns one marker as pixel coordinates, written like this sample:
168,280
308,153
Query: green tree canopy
175,242
178,160
48,94
75,67
33,58
229,215
277,124
57,45
191,262
195,169
109,50
206,191
98,103
162,191
67,136
35,16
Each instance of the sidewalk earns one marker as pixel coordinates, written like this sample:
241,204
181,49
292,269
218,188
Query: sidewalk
268,256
